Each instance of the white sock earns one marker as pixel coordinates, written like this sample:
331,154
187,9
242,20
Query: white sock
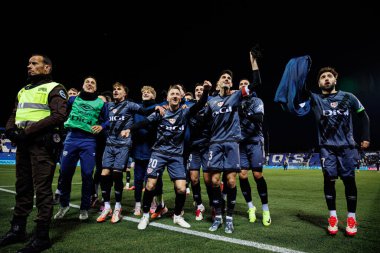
353,215
107,205
117,205
265,207
250,204
332,213
146,215
138,204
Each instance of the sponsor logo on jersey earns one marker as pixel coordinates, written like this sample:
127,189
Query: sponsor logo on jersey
116,118
334,104
172,121
336,112
87,107
80,119
222,110
175,128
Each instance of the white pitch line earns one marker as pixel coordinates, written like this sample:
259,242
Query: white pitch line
9,191
218,237
252,244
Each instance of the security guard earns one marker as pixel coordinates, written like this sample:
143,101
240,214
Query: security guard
40,110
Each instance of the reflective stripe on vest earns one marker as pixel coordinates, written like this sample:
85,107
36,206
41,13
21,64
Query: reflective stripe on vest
33,104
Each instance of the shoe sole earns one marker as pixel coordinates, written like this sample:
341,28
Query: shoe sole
61,217
158,215
184,225
350,233
212,228
113,222
332,232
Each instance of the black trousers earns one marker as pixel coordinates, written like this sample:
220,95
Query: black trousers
35,168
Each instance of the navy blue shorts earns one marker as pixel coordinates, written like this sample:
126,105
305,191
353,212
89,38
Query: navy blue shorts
339,161
224,157
197,159
115,157
252,156
158,162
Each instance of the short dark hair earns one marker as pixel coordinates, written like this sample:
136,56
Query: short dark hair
198,84
45,59
227,71
73,89
244,79
327,69
189,93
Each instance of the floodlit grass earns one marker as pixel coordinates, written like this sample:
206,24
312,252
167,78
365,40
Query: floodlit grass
298,210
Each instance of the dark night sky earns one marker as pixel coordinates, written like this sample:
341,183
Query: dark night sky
160,44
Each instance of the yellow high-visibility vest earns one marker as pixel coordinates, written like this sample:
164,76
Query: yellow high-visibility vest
33,104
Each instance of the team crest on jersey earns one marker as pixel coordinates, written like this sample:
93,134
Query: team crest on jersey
172,121
114,110
149,170
334,104
220,104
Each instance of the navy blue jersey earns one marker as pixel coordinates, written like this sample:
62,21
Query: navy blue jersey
144,137
334,116
120,118
199,129
251,131
170,131
225,124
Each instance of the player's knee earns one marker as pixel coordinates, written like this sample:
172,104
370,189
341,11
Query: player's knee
181,190
243,174
258,176
231,183
150,185
106,172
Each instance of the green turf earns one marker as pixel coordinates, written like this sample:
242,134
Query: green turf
296,201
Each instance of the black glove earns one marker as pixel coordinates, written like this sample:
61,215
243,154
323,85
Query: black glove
16,135
11,133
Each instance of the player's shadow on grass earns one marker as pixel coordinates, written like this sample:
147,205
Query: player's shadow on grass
61,228
316,220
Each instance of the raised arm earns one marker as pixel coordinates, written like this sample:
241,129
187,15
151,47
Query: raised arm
256,80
